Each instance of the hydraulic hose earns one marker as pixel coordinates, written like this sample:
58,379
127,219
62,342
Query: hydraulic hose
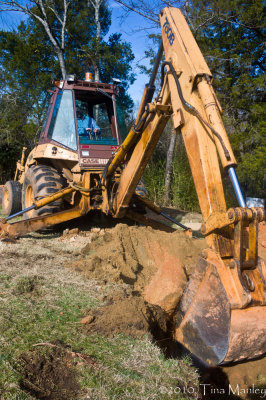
191,109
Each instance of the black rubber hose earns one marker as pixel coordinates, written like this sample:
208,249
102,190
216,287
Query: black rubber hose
191,109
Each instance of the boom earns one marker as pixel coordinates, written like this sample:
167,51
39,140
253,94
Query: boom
224,304
222,314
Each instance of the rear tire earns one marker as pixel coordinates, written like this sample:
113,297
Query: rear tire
11,202
141,188
41,181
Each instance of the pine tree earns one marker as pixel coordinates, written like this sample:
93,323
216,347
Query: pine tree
230,34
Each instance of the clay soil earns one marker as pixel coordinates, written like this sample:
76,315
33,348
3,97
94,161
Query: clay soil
131,254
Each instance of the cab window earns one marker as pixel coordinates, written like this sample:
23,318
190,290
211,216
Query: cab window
94,123
62,125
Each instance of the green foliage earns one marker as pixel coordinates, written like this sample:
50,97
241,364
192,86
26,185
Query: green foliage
15,132
183,189
183,194
114,60
230,34
154,179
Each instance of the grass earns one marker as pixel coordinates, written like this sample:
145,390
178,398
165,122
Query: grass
182,193
41,301
16,219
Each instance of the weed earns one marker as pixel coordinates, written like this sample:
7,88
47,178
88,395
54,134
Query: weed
27,284
183,193
43,302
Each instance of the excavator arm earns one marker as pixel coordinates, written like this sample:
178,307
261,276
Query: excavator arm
222,316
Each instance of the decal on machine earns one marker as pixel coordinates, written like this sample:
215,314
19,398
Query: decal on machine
168,31
94,160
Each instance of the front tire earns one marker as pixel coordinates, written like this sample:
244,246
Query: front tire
141,190
41,181
11,202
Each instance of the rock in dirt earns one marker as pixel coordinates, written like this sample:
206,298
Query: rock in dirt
153,262
88,319
74,231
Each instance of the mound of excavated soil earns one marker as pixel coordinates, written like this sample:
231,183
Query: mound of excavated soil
153,262
131,315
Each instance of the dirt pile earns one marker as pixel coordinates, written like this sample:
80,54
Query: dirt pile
153,262
130,315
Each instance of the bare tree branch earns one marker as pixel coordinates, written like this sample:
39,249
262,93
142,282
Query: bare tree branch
134,9
13,5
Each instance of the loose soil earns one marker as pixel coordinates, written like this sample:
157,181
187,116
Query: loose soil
131,254
128,315
49,374
118,263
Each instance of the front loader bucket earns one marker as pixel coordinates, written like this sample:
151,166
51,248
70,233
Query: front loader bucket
211,328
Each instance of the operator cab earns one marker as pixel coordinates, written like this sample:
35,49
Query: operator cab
82,117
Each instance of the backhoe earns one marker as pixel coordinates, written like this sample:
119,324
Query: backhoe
222,314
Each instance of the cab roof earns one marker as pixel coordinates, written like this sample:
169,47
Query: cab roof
87,86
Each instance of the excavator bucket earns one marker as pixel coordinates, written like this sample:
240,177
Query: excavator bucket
213,327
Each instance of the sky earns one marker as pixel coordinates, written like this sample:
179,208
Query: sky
131,29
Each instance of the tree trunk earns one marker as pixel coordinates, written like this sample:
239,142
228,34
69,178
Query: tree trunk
44,21
169,168
61,59
96,5
97,73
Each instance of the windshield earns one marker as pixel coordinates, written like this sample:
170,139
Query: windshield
62,126
94,122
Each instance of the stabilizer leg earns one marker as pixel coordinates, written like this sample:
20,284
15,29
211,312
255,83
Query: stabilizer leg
20,228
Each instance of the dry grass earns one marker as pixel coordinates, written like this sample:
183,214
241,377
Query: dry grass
42,301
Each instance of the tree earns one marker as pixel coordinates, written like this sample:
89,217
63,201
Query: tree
14,133
25,76
44,11
96,4
27,66
167,143
230,34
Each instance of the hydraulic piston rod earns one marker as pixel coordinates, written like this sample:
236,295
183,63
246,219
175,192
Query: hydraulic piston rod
236,186
42,202
20,212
